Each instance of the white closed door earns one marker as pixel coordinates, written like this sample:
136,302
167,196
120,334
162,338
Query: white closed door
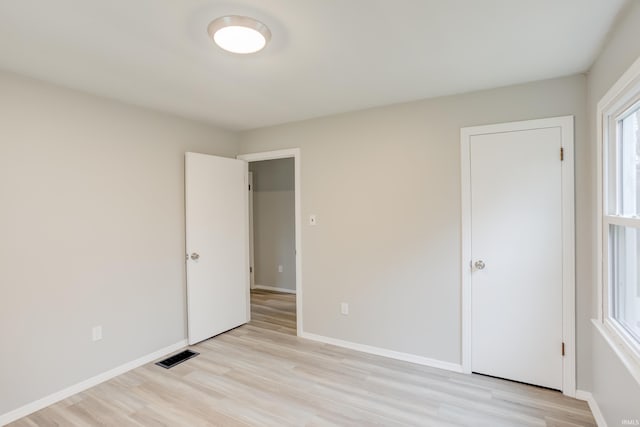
516,248
217,242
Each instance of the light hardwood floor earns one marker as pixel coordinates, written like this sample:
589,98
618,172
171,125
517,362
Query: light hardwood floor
261,374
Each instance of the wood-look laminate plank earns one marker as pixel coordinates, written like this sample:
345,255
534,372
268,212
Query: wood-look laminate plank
261,374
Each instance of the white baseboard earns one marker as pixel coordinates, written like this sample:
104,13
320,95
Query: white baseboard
32,407
274,288
593,405
420,360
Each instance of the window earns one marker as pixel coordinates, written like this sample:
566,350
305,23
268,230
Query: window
619,135
625,292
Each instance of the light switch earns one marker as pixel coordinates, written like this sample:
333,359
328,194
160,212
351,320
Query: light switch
96,333
344,308
312,220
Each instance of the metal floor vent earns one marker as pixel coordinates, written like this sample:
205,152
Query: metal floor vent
177,359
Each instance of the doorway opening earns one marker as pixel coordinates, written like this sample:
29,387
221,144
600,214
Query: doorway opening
274,240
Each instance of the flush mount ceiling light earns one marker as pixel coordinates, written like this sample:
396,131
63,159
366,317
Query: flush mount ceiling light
239,34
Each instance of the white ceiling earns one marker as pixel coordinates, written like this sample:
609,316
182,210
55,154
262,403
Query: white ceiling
325,57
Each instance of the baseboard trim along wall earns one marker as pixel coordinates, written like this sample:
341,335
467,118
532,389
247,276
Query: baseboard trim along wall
434,363
593,405
32,407
274,288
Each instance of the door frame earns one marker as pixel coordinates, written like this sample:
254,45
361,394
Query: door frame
252,280
565,123
286,154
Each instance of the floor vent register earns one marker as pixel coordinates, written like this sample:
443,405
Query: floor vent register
177,359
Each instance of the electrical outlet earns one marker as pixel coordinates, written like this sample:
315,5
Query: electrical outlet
344,308
280,269
96,333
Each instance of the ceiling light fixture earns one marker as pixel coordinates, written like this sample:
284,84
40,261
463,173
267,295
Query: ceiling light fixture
239,34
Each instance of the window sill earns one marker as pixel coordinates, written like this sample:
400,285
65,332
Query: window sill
626,356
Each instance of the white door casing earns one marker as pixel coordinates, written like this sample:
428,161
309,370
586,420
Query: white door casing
518,219
217,243
252,257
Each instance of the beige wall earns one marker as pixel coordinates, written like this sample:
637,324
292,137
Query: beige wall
92,224
274,223
385,186
617,393
92,233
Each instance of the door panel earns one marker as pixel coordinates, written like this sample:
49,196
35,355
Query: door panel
217,231
516,230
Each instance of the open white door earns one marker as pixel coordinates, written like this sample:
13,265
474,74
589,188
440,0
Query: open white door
217,242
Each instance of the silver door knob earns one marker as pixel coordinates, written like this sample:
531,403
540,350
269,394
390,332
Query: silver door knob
479,265
195,256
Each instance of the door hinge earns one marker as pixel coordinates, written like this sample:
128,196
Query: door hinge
563,349
249,187
561,154
250,269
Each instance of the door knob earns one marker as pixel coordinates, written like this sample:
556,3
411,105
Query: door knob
195,256
479,265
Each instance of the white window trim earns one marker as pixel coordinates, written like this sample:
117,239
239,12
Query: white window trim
624,93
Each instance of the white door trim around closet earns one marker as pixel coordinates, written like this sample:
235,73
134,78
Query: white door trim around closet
284,154
568,238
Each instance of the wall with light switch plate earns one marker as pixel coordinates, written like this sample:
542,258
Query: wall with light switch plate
274,224
384,185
